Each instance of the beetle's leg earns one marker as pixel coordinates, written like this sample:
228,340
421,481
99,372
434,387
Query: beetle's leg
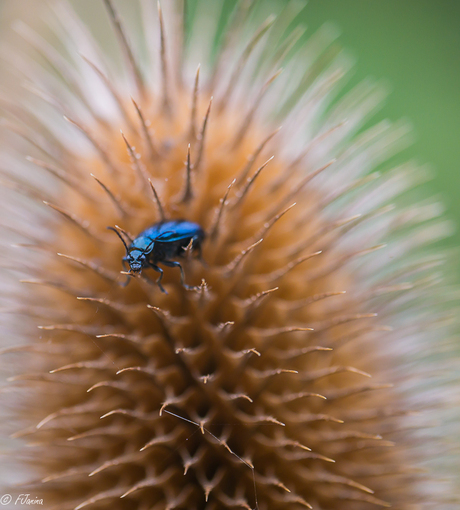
158,282
171,263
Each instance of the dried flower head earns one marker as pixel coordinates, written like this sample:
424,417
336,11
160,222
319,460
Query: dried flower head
296,364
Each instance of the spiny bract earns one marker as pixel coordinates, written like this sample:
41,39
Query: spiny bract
288,375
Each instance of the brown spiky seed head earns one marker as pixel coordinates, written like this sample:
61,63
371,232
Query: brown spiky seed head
294,366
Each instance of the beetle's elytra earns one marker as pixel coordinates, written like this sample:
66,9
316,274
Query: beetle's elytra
161,244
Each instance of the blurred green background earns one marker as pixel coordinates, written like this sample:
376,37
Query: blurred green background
414,46
411,45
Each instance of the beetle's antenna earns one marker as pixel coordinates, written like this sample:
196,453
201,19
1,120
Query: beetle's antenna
154,240
158,238
119,235
130,239
149,246
146,250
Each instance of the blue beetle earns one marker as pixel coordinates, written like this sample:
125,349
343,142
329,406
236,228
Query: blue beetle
160,244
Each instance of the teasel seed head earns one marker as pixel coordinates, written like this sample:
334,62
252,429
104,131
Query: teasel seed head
305,357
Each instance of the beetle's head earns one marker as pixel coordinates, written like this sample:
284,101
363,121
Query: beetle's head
136,261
